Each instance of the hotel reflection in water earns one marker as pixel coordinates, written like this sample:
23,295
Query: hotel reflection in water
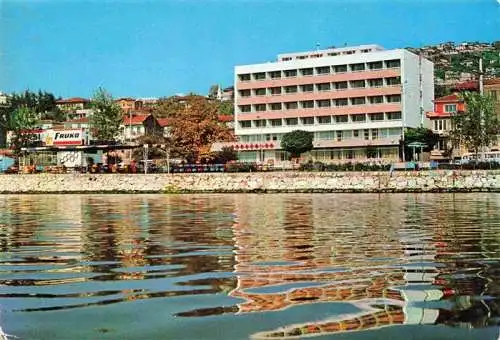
395,264
298,253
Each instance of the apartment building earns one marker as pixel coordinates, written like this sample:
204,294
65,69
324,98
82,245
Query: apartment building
356,101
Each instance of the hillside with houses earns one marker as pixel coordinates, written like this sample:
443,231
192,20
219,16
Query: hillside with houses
459,62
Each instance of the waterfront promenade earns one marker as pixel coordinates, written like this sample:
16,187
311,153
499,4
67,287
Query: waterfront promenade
262,182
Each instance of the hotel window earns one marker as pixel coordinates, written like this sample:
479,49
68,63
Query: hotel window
356,84
393,63
379,82
276,122
358,118
246,124
275,74
367,134
393,115
355,133
357,67
338,135
306,71
307,104
245,108
259,123
376,116
341,102
307,120
291,105
376,99
324,120
286,58
377,65
450,108
323,70
395,98
323,87
340,68
324,103
358,101
392,81
340,85
394,132
292,121
291,89
374,133
276,106
290,73
274,91
302,57
307,88
325,135
245,93
341,119
260,92
244,77
260,107
259,76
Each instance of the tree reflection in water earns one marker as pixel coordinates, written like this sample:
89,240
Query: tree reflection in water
400,259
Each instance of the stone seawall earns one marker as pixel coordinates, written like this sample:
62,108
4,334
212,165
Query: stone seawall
422,181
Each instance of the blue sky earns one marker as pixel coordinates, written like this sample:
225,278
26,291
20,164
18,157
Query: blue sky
159,48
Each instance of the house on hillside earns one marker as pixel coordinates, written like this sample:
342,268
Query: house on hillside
72,104
441,124
492,89
126,104
137,125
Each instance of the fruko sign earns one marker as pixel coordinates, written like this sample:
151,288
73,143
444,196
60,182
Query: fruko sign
64,137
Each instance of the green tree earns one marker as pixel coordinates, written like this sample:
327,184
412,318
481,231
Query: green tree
42,104
107,118
226,108
419,135
20,123
212,92
476,128
297,142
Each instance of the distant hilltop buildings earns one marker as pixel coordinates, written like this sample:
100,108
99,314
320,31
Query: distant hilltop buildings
455,63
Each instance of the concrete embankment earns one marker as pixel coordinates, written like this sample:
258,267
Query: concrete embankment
422,181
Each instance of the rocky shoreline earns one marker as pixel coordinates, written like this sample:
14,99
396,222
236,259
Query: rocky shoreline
261,182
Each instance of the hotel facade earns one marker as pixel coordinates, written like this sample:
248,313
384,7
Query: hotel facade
356,101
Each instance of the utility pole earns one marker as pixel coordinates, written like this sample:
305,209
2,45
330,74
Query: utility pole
403,120
481,85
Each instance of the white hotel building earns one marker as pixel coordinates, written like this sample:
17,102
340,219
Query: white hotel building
356,101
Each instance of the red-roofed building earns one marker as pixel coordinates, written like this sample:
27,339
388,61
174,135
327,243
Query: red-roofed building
471,85
72,104
226,119
79,123
126,104
135,126
444,108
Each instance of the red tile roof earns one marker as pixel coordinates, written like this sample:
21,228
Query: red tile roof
74,100
163,121
449,98
83,120
225,118
129,99
437,114
495,81
135,120
468,85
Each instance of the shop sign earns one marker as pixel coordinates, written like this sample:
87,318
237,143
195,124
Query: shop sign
64,137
